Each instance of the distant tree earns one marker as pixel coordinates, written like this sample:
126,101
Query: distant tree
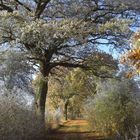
75,86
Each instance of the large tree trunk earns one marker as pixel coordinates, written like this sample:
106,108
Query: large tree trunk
42,92
43,89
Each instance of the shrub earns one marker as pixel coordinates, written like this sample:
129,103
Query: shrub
18,121
113,111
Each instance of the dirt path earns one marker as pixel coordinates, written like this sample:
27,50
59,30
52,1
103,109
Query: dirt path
74,130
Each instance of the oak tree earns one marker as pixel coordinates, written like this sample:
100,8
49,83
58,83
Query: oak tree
61,33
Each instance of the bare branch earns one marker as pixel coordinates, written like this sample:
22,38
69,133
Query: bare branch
5,7
41,7
26,7
65,64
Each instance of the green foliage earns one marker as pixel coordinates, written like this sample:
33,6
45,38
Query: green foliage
102,64
114,107
73,88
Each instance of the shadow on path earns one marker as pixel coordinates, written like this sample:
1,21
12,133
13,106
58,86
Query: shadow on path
74,130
